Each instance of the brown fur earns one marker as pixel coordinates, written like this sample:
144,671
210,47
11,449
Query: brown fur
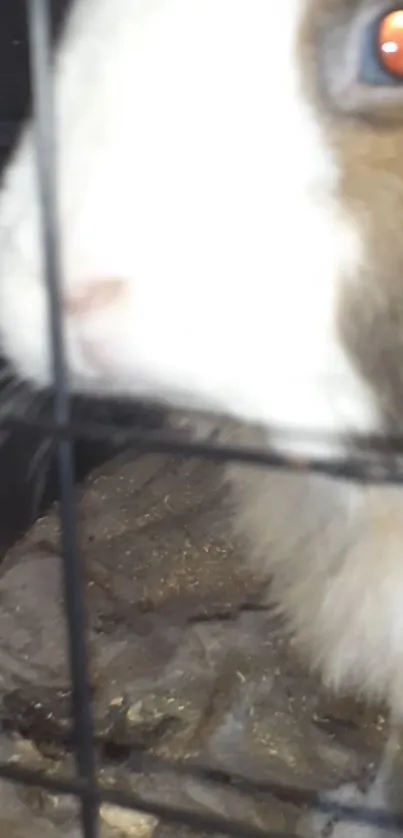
369,151
333,552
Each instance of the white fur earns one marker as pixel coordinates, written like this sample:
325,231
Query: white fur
191,166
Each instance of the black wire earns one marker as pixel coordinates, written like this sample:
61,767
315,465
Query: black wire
196,821
40,60
384,467
286,793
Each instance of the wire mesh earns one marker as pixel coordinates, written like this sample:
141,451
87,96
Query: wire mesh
379,460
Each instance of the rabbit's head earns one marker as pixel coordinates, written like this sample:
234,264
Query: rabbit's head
230,177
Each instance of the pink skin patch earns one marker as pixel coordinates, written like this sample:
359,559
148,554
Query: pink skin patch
98,295
87,302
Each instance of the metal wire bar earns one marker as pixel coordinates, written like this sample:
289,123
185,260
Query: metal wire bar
40,61
376,443
374,467
196,821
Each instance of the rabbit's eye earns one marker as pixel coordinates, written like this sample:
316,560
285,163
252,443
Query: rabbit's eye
381,52
389,37
360,67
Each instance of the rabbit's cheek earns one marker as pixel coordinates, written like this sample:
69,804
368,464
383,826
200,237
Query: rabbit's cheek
366,140
371,308
205,233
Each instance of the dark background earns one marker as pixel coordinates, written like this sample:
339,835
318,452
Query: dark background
20,490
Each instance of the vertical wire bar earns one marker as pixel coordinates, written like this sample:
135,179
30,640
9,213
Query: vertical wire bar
40,65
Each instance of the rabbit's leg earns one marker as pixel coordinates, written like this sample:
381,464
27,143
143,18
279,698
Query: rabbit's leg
375,802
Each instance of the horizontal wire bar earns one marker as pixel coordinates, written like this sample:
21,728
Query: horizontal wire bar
357,469
127,800
196,821
372,443
302,797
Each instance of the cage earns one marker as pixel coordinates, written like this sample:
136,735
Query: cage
90,784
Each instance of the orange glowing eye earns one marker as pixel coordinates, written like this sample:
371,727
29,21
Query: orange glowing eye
390,42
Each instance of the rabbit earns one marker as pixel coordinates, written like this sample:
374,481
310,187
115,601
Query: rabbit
230,196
